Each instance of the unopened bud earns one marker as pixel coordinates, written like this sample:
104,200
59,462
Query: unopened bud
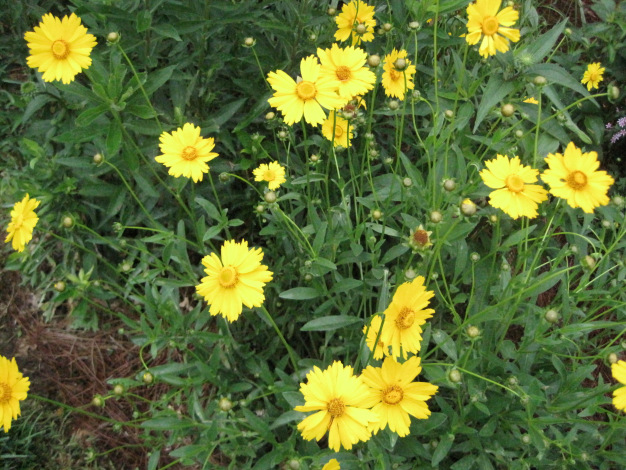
436,217
113,37
475,257
331,11
507,110
361,28
260,208
387,27
373,60
614,93
407,182
68,222
400,64
224,177
293,464
455,376
519,133
540,80
118,389
552,316
414,25
377,214
98,158
449,185
448,113
393,105
270,197
249,42
468,208
473,331
613,358
225,404
589,262
269,116
97,400
147,378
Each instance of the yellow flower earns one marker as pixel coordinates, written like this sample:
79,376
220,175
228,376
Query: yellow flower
306,96
23,221
337,130
396,82
531,100
618,370
485,22
273,173
185,153
332,464
346,68
593,75
373,337
397,396
13,389
340,401
514,195
403,318
59,48
573,176
235,279
356,19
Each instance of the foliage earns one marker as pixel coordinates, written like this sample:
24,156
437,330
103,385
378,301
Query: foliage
527,312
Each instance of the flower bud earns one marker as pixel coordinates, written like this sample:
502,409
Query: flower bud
308,277
449,185
126,266
260,208
361,28
314,158
613,358
614,93
373,60
507,110
618,201
552,316
68,222
519,133
293,464
589,262
473,331
455,376
448,113
118,389
113,37
224,177
436,217
410,274
270,197
282,135
387,27
393,105
269,116
331,11
97,400
414,25
98,158
388,161
493,218
377,214
147,378
526,439
407,182
59,286
540,80
468,208
400,64
225,404
475,257
249,42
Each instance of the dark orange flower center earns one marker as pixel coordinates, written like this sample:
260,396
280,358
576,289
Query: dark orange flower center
60,49
490,25
421,237
577,180
228,277
189,153
336,407
395,76
343,73
306,90
514,183
393,395
405,319
5,393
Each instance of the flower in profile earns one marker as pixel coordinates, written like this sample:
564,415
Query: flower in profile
357,20
337,130
573,176
514,193
407,312
332,464
237,279
185,153
420,239
59,48
484,21
618,370
396,395
273,173
397,80
373,337
346,68
307,96
340,401
13,388
531,100
593,75
23,221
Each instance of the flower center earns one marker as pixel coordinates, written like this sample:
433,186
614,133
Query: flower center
227,277
60,49
343,73
189,153
577,180
593,77
395,76
5,393
336,407
18,221
514,183
306,90
421,237
490,26
393,395
269,175
405,319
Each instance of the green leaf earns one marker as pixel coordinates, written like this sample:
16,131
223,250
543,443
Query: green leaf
87,117
166,423
144,20
167,30
544,44
517,237
158,78
393,253
300,293
445,444
446,344
114,138
330,323
495,91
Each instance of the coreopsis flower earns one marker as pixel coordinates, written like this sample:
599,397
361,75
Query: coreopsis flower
332,464
593,75
373,340
13,388
22,224
618,370
237,279
420,239
397,80
340,402
407,312
185,153
355,20
484,21
273,173
346,67
514,193
60,48
337,130
397,396
573,176
305,97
